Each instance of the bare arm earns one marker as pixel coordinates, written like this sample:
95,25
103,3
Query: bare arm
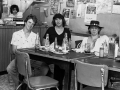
14,49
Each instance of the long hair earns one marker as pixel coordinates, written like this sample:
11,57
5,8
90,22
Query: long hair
58,15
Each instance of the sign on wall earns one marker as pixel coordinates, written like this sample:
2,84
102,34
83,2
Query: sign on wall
66,14
54,6
116,6
90,13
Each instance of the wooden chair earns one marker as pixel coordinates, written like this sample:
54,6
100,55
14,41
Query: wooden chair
78,43
33,82
94,76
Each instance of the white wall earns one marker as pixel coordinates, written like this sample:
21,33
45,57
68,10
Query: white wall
110,22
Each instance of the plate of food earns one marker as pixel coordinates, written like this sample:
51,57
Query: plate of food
59,51
43,48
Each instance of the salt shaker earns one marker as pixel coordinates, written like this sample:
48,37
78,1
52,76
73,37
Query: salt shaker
101,52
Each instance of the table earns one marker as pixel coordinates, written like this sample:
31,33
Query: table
111,63
66,61
113,67
62,60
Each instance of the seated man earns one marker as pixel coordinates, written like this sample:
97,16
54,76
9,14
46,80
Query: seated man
94,42
24,38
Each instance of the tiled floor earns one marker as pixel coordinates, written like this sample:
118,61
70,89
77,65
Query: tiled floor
8,84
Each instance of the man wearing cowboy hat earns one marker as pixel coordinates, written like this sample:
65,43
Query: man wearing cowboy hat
94,41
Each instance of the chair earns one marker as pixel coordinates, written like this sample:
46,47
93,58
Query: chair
33,82
94,76
78,43
12,56
114,77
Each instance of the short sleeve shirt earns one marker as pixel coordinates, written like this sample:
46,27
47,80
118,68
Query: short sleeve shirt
19,39
53,34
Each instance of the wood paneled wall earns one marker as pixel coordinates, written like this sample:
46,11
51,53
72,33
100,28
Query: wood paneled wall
5,38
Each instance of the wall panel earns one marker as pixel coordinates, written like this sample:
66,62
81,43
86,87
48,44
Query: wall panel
5,38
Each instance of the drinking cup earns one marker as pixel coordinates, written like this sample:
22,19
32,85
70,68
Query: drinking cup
87,48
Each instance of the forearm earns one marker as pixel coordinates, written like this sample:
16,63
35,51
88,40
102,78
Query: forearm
14,49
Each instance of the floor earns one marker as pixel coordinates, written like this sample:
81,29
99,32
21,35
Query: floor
8,84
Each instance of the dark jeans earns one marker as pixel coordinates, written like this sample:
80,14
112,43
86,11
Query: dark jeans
59,75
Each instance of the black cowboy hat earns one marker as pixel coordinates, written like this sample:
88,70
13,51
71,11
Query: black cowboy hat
94,23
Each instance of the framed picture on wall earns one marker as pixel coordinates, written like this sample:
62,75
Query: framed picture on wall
116,6
91,9
5,11
73,14
70,3
66,12
87,1
90,12
53,11
54,6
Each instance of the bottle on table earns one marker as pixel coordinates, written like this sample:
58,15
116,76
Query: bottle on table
47,43
37,41
55,44
101,51
105,46
65,44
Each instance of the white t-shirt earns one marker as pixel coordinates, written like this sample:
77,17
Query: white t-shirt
97,46
19,39
18,15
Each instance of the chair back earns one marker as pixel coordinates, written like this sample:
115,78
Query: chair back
78,43
91,74
23,64
12,55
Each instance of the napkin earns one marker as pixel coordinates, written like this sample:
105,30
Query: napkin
76,50
51,47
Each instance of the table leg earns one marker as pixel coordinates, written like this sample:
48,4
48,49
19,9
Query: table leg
67,78
62,73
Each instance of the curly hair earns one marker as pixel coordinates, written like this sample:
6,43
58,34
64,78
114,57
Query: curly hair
60,16
12,7
33,17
